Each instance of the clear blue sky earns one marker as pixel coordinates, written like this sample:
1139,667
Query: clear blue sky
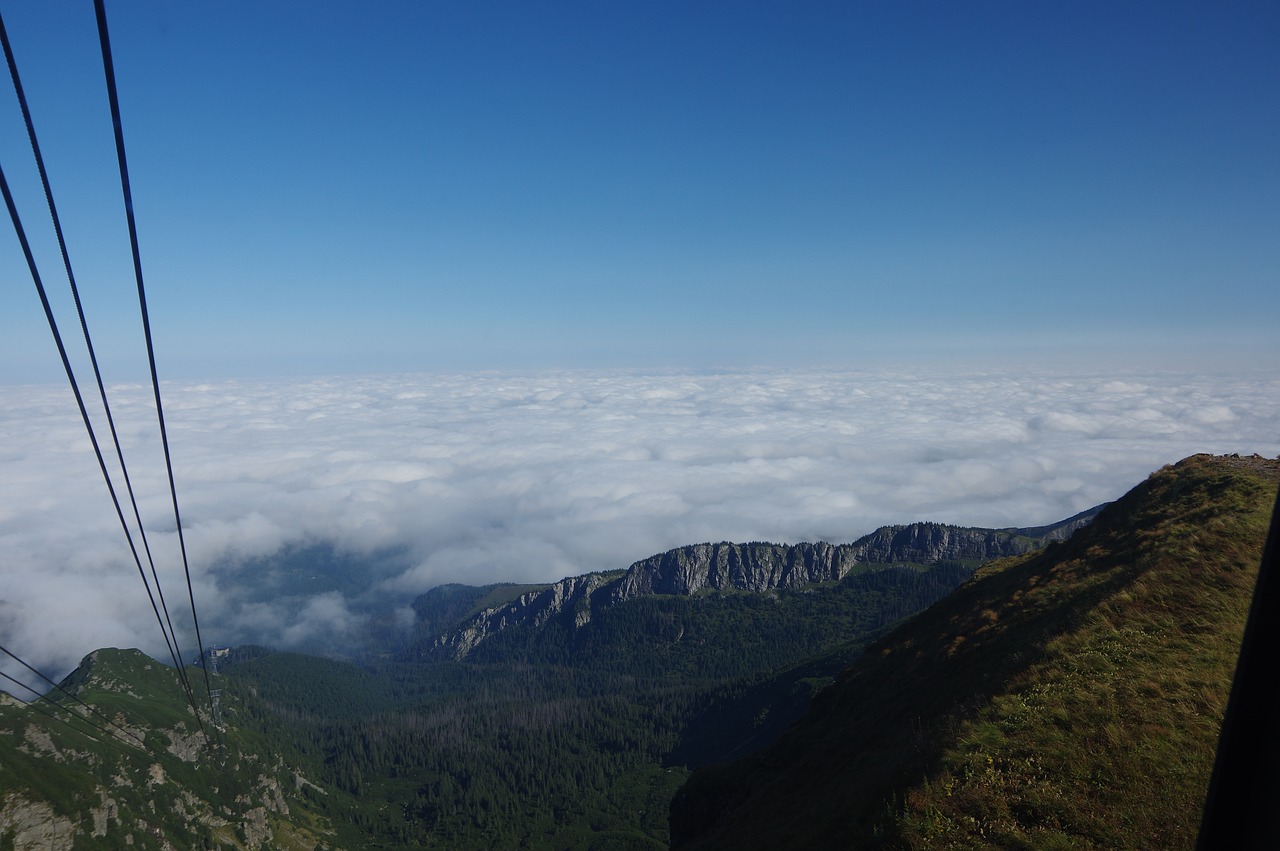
341,187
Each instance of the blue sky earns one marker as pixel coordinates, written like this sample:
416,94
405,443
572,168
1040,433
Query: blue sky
737,271
332,187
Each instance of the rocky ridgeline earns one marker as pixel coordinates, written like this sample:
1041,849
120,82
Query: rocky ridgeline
758,567
743,567
532,607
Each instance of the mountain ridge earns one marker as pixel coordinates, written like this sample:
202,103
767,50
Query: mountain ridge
1066,698
755,566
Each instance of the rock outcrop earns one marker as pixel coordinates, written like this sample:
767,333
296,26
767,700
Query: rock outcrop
532,607
758,567
34,824
744,567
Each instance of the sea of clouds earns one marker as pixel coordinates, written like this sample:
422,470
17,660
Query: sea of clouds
410,481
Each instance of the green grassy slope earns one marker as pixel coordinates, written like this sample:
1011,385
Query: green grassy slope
69,779
1070,698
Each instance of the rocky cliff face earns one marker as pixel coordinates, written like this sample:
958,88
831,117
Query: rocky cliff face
925,543
34,824
758,567
764,567
533,607
744,567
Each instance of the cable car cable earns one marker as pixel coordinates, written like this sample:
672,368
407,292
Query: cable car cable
109,71
84,326
74,697
84,415
36,705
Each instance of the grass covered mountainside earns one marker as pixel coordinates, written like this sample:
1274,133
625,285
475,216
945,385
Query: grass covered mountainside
141,774
1065,698
1070,698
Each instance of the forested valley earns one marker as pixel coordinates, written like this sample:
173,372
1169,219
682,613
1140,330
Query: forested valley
563,735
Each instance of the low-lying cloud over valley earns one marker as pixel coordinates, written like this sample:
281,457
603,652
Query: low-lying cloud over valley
304,502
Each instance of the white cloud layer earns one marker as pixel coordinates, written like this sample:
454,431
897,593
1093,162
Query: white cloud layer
424,479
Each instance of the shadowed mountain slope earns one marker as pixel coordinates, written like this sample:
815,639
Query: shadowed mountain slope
1066,698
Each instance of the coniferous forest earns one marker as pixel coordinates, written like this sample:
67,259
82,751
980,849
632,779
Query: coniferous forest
561,736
